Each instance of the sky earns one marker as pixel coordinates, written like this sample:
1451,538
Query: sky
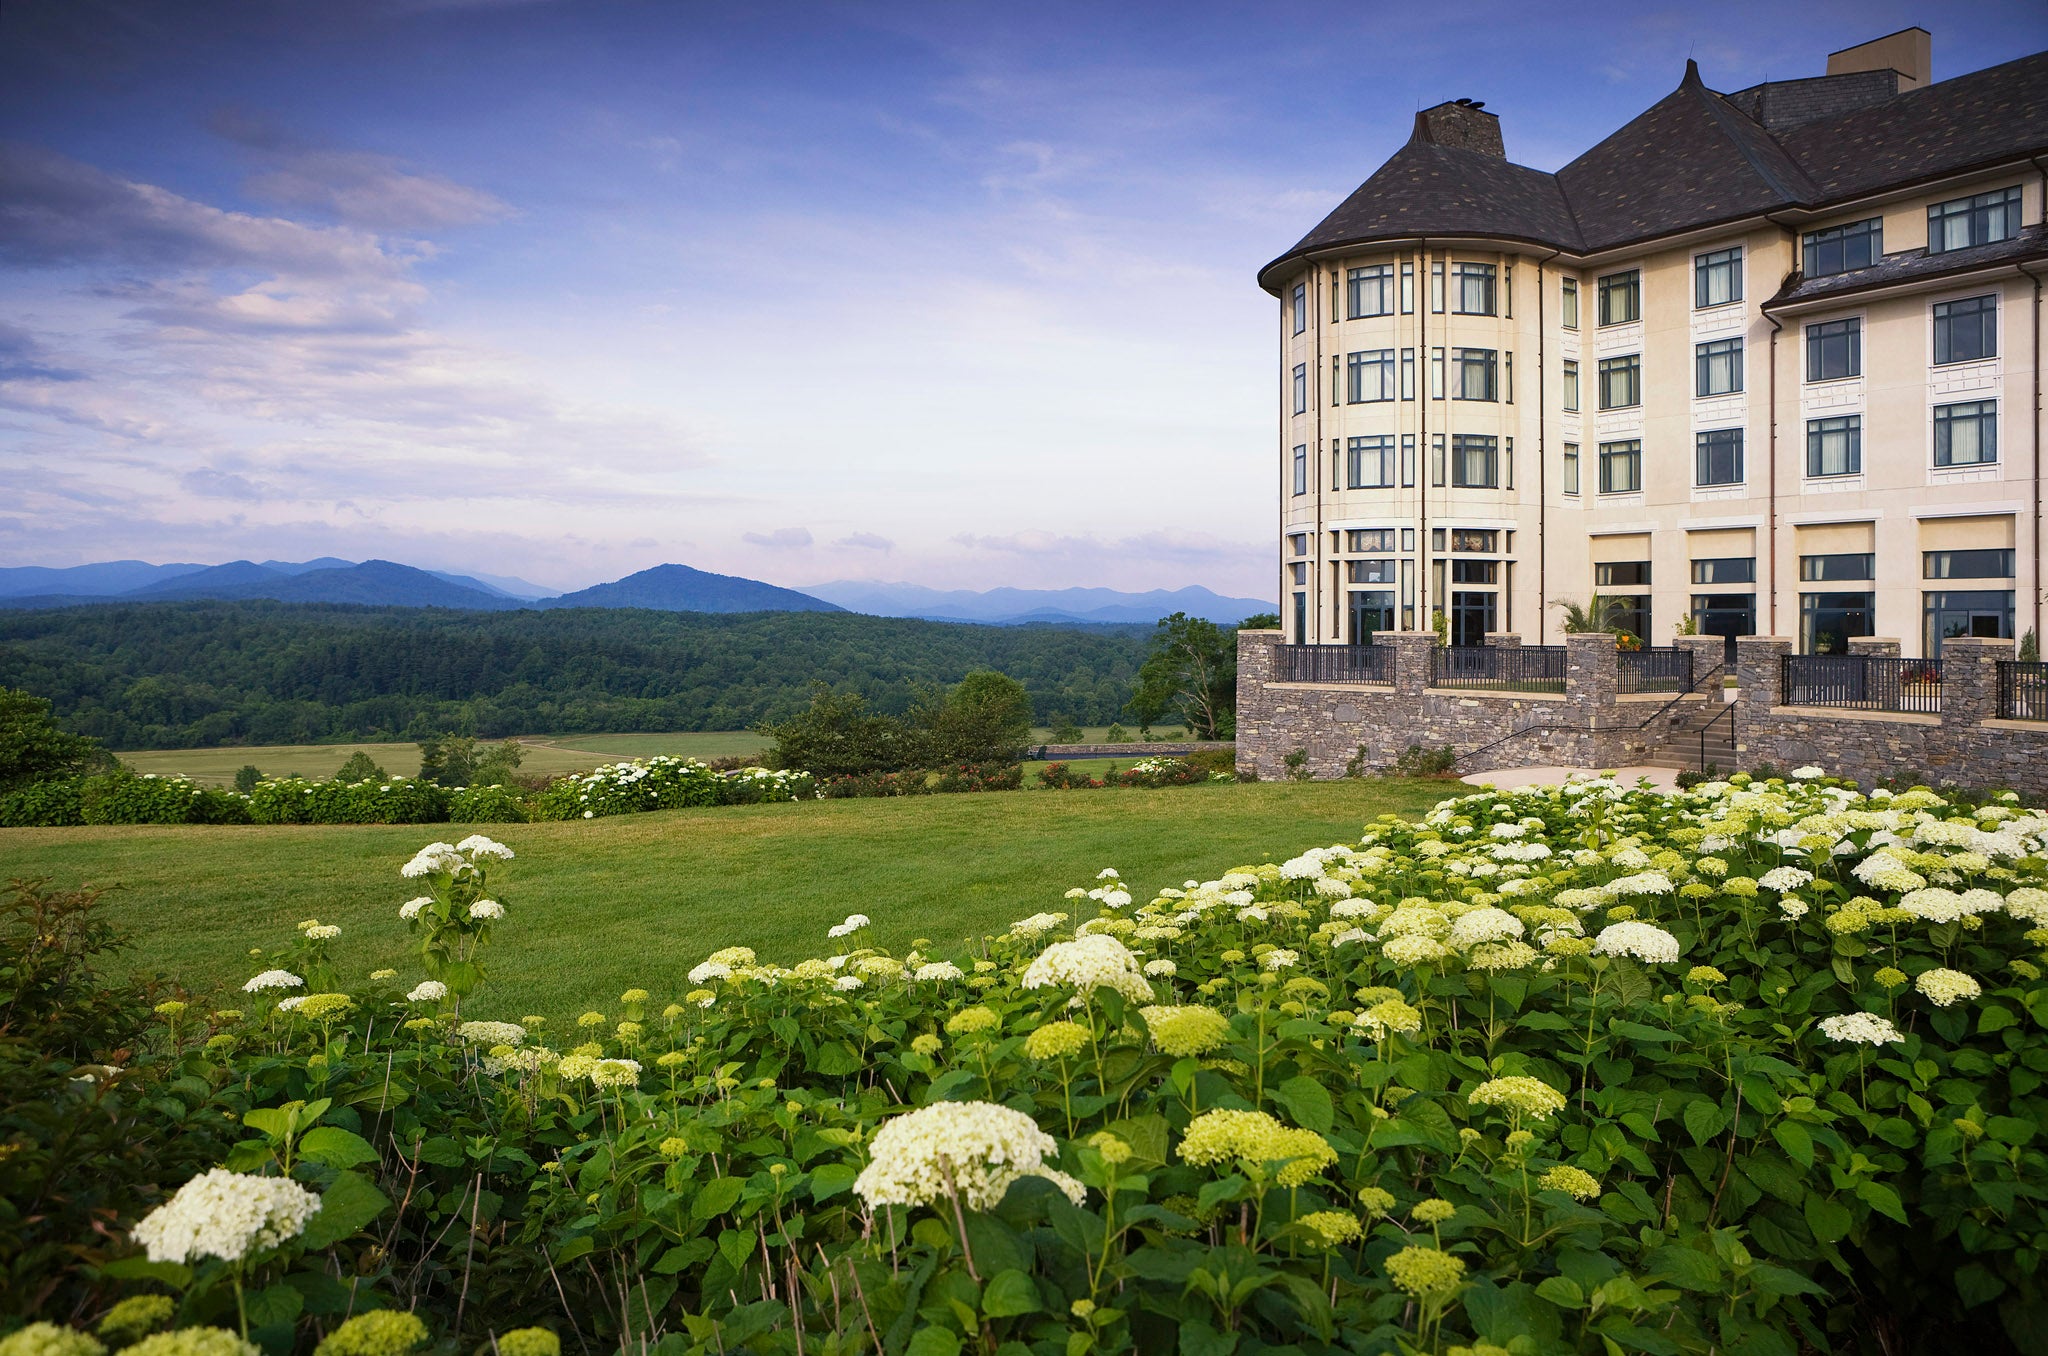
958,293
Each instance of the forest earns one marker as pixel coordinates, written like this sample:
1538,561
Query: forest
200,674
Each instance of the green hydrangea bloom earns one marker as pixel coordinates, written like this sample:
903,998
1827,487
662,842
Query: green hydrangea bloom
381,1332
194,1342
136,1318
529,1342
47,1339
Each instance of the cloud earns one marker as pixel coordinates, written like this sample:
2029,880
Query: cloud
360,188
209,483
865,541
781,539
21,358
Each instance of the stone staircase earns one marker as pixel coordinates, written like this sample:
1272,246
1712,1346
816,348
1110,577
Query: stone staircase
1681,747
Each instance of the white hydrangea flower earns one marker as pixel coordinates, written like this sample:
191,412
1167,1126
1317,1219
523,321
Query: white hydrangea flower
1643,883
322,932
1644,941
1281,959
709,970
229,1215
1098,960
2028,904
433,859
428,991
847,983
476,845
291,1004
1860,1028
1933,904
1489,924
974,1149
486,909
1161,968
1807,774
274,979
488,1034
854,923
1783,878
1943,987
1038,924
411,908
938,971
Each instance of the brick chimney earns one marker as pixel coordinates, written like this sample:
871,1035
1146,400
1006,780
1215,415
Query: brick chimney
1463,123
1909,52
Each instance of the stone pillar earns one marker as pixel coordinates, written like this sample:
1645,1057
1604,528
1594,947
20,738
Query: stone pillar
1591,676
1503,640
1757,669
1969,679
1877,647
1708,653
1412,654
1254,702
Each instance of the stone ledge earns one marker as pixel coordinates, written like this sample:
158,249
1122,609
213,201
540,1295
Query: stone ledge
1627,698
2039,727
1851,713
1495,695
1324,687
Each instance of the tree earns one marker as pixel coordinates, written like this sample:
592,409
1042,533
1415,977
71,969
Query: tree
497,764
983,718
1190,670
448,759
246,777
360,767
34,748
1260,621
837,737
1598,614
1064,730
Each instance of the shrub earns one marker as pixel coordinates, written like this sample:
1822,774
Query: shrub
1065,731
50,804
247,776
1416,761
764,786
657,783
1116,734
296,800
979,777
1212,760
1158,772
360,767
876,784
486,805
1297,765
1063,777
122,797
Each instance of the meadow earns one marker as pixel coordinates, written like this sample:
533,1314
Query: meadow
596,907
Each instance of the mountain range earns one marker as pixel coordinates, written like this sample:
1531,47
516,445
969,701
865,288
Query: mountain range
671,588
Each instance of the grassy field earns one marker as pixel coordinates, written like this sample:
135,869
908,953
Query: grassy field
600,906
546,755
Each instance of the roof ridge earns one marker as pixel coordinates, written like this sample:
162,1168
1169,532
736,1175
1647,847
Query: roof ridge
1721,111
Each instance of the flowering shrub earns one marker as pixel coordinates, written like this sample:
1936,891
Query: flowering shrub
120,797
658,783
486,805
398,800
979,777
1558,1070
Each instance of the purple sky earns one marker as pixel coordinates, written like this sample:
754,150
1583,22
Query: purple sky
955,293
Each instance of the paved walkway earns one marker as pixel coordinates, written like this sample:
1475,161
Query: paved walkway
1509,778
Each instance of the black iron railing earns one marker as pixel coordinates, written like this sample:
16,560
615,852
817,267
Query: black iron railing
1726,713
1333,664
2022,689
1654,670
1862,682
1524,668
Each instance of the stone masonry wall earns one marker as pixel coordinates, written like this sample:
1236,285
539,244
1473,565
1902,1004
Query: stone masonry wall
1587,725
1966,745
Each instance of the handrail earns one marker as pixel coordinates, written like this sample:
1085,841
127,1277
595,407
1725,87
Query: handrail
1728,711
1652,718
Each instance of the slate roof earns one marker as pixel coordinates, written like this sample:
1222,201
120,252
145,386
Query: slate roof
1696,158
1913,265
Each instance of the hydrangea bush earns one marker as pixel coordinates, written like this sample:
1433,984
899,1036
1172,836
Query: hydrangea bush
1755,1068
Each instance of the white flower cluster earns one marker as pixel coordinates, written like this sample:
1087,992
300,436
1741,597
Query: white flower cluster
974,1150
854,923
1860,1028
488,1034
274,979
229,1215
1097,961
435,859
476,845
1644,941
428,991
1784,878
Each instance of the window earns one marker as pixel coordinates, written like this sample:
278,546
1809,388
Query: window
1834,447
1475,374
1475,289
1621,467
1717,367
1986,613
1621,382
1299,542
1369,571
1622,574
1481,540
1436,286
1301,619
1299,571
1407,287
1725,570
1965,330
1568,302
1994,564
1621,297
1301,471
1841,248
1407,374
1834,350
1571,468
1978,220
1725,614
1369,291
1828,569
1300,307
1407,539
1407,461
1717,278
1369,539
1475,572
1571,384
1719,455
1301,388
1966,434
1475,461
1370,376
1827,621
1369,463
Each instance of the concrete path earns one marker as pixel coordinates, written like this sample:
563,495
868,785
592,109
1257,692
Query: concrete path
1511,778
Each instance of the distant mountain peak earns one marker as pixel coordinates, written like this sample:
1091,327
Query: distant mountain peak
683,588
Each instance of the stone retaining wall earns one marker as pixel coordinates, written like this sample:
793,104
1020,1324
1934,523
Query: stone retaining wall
1966,744
1061,753
1587,725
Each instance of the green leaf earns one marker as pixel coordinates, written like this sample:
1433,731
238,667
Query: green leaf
1308,1101
345,1207
579,1246
1199,1339
1008,1294
273,1305
830,1179
835,1059
934,1341
1793,1139
1776,1280
1829,1219
336,1148
718,1196
1562,1291
1704,1120
1976,1284
142,1269
682,1255
1882,1199
1626,981
1686,1268
2009,1129
271,1120
442,1152
1994,1018
1637,1031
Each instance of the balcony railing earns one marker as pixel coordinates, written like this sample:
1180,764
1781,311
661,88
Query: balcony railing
1333,664
1862,682
1526,668
1650,670
2022,690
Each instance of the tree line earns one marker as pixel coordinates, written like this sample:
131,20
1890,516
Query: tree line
209,673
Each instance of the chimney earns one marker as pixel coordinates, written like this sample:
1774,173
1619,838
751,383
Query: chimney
1463,123
1908,52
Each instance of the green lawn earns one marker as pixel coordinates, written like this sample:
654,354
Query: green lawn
596,907
545,755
